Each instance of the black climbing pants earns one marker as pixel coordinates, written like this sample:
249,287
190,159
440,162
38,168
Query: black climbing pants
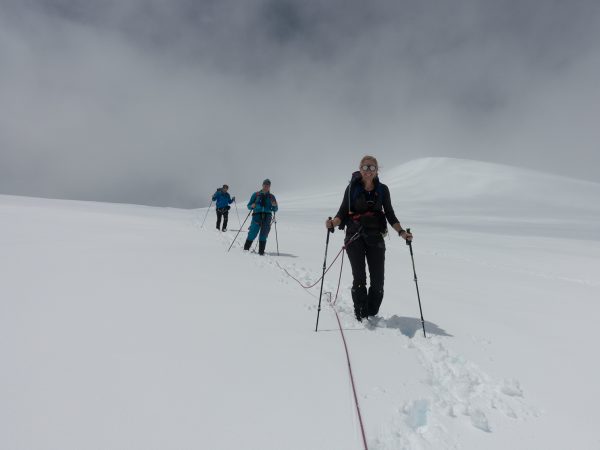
224,213
367,250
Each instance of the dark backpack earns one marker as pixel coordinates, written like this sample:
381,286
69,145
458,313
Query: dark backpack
261,198
355,189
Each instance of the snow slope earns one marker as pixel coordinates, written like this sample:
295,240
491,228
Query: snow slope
469,194
130,327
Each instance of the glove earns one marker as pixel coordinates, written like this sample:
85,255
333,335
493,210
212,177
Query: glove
233,199
329,225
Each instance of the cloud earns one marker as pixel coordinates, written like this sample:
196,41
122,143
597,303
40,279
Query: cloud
159,102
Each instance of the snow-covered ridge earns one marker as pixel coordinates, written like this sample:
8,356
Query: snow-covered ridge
454,180
466,193
435,179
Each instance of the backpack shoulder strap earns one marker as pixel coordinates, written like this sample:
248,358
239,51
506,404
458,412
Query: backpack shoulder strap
380,191
356,189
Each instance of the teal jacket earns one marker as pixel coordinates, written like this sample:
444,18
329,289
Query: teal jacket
264,202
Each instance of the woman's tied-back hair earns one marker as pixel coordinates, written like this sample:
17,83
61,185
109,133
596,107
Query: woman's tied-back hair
367,158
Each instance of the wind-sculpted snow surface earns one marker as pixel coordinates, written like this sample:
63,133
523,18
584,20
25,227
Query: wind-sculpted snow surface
125,326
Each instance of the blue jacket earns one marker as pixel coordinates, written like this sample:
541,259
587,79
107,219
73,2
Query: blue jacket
265,202
222,199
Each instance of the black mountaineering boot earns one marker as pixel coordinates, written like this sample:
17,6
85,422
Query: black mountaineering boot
261,247
374,301
359,297
247,245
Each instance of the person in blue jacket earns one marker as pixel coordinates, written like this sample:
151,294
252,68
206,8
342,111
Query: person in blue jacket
222,201
262,204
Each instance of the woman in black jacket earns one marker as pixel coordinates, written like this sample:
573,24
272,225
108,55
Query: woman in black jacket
363,212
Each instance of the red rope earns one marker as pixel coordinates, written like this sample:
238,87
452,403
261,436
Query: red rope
339,279
316,282
344,247
332,305
360,421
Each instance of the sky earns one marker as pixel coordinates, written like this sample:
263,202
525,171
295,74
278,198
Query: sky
160,102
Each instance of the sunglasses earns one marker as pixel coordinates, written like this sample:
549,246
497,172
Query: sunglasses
371,167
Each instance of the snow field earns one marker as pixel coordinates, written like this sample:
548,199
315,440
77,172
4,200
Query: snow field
130,327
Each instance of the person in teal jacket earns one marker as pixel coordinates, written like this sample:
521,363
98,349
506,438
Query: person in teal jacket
262,204
222,201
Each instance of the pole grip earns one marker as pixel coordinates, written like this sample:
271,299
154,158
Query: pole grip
332,229
409,243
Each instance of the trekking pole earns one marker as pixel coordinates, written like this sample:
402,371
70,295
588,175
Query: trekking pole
276,238
240,230
329,231
206,215
238,213
409,243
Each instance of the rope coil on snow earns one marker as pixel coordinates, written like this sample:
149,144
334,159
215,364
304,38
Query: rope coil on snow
316,282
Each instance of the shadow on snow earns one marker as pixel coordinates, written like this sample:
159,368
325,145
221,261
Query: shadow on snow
408,326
